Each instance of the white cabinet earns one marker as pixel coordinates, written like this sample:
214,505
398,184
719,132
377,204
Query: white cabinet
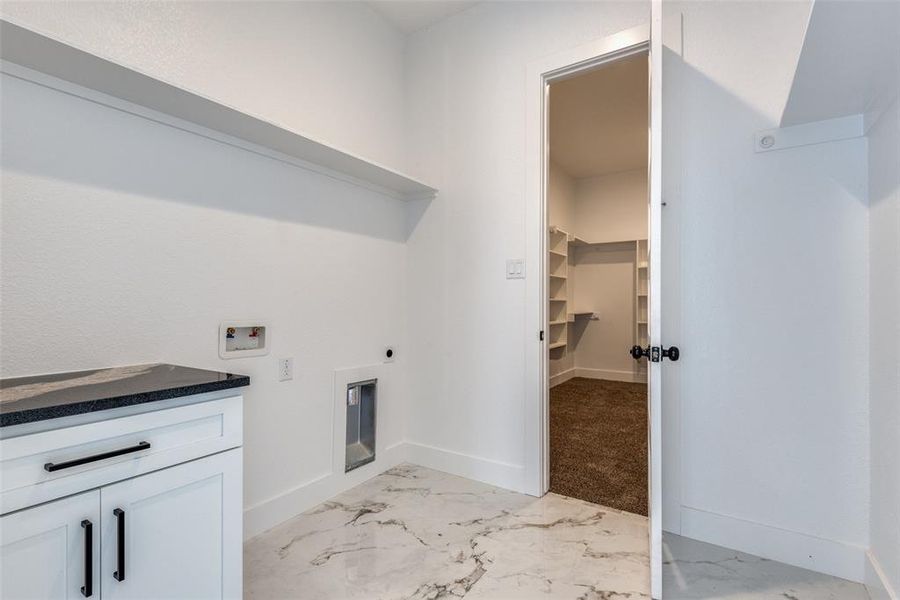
137,505
174,533
51,550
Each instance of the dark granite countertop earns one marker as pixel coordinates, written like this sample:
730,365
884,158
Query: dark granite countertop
41,397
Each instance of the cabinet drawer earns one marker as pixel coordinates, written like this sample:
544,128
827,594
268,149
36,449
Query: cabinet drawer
94,454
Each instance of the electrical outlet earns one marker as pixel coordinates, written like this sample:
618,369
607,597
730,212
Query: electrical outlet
285,369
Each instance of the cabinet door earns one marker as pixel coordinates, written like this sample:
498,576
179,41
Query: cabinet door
175,533
52,551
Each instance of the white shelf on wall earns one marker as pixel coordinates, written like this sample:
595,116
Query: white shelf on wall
556,345
123,88
579,242
582,315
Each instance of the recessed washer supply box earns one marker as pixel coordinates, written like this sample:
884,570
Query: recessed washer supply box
241,339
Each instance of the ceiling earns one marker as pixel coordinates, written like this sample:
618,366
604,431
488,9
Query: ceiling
598,120
411,16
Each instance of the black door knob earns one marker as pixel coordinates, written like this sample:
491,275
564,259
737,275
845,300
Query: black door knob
671,353
637,352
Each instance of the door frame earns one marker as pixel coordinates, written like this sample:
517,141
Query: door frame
641,39
540,74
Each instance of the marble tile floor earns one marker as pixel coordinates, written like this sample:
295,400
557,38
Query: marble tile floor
694,570
412,533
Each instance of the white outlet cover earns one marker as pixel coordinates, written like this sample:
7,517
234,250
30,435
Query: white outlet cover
285,369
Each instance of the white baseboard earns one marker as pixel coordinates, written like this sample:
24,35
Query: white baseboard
801,550
269,513
492,472
877,583
607,374
611,375
562,377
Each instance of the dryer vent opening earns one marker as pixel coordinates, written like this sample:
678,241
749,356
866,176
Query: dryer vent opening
360,449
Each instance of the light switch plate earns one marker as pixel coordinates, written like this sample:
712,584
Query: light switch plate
515,268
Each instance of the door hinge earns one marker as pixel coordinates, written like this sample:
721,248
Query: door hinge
541,335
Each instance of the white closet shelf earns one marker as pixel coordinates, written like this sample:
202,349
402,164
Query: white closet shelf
558,253
577,241
557,323
553,276
557,299
109,83
582,315
556,345
642,266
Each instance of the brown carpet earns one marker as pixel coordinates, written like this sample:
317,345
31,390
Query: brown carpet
598,442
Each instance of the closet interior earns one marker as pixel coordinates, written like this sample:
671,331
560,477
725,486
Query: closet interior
597,284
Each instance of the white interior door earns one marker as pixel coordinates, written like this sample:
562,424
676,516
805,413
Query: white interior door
174,533
52,550
654,371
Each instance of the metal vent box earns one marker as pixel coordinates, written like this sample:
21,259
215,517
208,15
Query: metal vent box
361,399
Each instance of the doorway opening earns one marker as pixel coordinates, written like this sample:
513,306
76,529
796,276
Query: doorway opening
598,283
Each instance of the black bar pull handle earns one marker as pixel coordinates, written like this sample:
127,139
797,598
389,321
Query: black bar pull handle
119,573
95,457
88,588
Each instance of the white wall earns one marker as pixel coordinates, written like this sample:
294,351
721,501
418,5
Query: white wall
465,84
288,62
770,392
125,241
608,208
605,286
612,208
884,370
560,198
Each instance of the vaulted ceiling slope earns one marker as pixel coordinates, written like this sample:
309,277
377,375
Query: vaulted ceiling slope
849,61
